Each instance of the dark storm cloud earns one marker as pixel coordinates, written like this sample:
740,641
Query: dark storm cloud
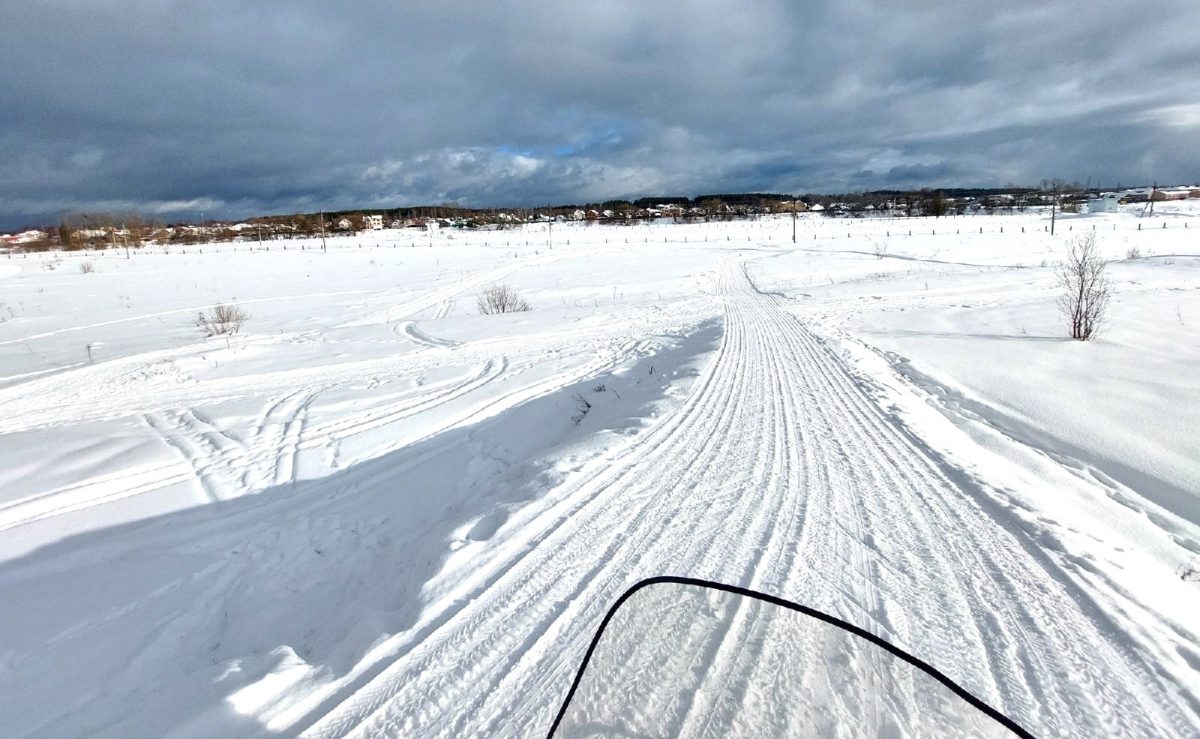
232,107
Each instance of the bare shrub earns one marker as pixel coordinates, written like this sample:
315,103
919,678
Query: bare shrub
221,320
880,249
1190,572
501,299
87,268
582,406
1133,253
1085,288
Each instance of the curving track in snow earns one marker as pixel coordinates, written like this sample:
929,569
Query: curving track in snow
780,474
443,297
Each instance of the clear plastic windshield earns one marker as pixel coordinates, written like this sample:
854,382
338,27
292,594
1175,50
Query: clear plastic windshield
691,661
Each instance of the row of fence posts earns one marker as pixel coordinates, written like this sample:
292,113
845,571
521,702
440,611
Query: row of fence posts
645,240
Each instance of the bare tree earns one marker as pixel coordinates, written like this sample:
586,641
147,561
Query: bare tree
501,299
64,234
1085,287
221,320
133,227
880,248
712,207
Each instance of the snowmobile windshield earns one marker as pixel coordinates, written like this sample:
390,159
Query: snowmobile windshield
679,657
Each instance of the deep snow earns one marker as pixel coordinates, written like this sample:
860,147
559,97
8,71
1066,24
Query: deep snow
373,511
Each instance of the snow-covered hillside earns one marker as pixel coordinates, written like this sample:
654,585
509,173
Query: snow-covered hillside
374,511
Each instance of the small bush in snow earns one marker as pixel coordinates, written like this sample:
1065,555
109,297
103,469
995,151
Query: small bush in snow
221,320
1133,253
1190,572
87,268
501,299
880,249
582,406
1085,287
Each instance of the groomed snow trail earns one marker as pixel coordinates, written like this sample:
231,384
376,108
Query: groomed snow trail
778,473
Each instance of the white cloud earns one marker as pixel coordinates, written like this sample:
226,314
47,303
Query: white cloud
278,105
1183,116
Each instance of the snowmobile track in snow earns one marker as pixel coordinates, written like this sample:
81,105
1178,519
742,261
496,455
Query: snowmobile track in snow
780,474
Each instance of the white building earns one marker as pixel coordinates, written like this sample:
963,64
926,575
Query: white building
28,237
373,223
1106,203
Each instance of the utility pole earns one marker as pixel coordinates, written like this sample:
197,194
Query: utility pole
321,220
550,233
793,221
1053,204
1149,206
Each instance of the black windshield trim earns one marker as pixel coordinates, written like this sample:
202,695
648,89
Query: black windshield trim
925,667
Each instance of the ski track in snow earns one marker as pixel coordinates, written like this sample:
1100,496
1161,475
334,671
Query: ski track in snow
780,474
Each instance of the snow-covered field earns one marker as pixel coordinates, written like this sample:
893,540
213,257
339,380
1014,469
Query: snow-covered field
376,512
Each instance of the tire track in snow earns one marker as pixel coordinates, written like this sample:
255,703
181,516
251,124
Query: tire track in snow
388,413
225,466
174,311
779,473
409,330
287,460
444,297
92,492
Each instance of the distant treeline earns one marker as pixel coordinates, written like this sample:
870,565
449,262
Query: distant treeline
927,201
741,200
79,230
451,210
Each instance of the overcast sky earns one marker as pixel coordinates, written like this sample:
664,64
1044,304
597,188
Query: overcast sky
236,108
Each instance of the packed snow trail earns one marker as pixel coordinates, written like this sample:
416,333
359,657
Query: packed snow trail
778,473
